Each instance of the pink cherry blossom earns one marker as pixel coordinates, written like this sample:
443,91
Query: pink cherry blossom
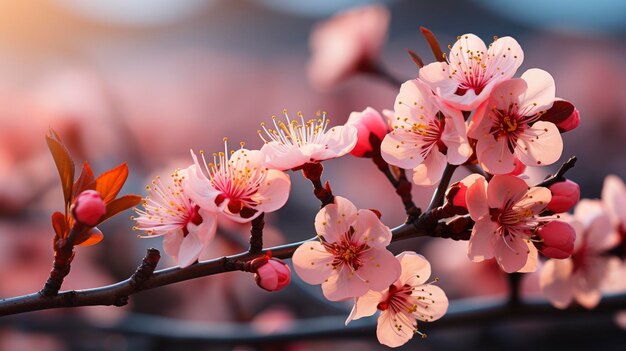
506,214
614,200
472,70
347,42
507,125
169,211
88,207
581,277
240,185
292,144
565,195
425,134
351,256
367,123
407,300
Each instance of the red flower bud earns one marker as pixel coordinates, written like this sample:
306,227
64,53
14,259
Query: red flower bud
565,195
88,208
367,123
273,275
571,122
558,240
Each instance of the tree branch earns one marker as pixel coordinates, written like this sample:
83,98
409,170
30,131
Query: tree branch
559,176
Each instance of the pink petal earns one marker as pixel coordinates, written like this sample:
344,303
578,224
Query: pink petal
511,255
483,239
536,199
334,220
437,76
190,250
172,242
206,230
370,230
614,198
476,196
600,234
533,259
312,262
433,306
508,56
282,157
344,284
507,93
430,171
394,330
398,148
367,122
339,141
365,306
540,145
415,268
273,191
414,104
199,189
380,269
555,283
540,93
588,299
455,137
503,188
494,155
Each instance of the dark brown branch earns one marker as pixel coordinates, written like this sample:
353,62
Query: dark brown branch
440,192
559,176
313,172
63,257
256,234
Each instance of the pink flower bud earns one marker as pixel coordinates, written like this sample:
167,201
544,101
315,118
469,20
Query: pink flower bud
371,127
571,122
519,167
558,240
88,208
273,275
564,196
459,199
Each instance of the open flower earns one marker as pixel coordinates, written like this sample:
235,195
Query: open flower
614,200
240,186
407,300
187,228
506,214
582,276
292,144
472,70
351,256
508,126
349,41
425,134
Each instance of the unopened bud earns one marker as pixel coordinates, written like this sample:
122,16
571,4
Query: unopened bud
557,240
273,275
88,208
565,195
371,129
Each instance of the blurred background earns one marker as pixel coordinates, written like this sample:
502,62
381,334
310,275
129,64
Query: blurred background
144,81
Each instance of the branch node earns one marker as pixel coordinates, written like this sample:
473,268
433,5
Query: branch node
145,270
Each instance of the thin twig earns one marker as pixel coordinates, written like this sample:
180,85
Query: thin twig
256,234
440,192
559,176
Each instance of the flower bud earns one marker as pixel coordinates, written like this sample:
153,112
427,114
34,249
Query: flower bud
88,208
557,240
371,129
273,275
571,122
565,195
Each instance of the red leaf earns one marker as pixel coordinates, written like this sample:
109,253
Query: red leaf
434,44
109,183
85,181
59,224
121,204
64,164
89,237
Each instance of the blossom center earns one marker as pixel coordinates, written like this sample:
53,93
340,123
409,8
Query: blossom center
346,252
398,299
430,134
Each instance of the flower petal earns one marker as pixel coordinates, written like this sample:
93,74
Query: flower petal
344,285
614,198
190,250
401,148
312,262
273,191
476,196
539,145
172,242
415,268
394,330
511,255
430,171
540,93
555,282
483,239
365,306
199,189
334,220
433,305
281,157
380,269
494,155
338,141
503,188
370,230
